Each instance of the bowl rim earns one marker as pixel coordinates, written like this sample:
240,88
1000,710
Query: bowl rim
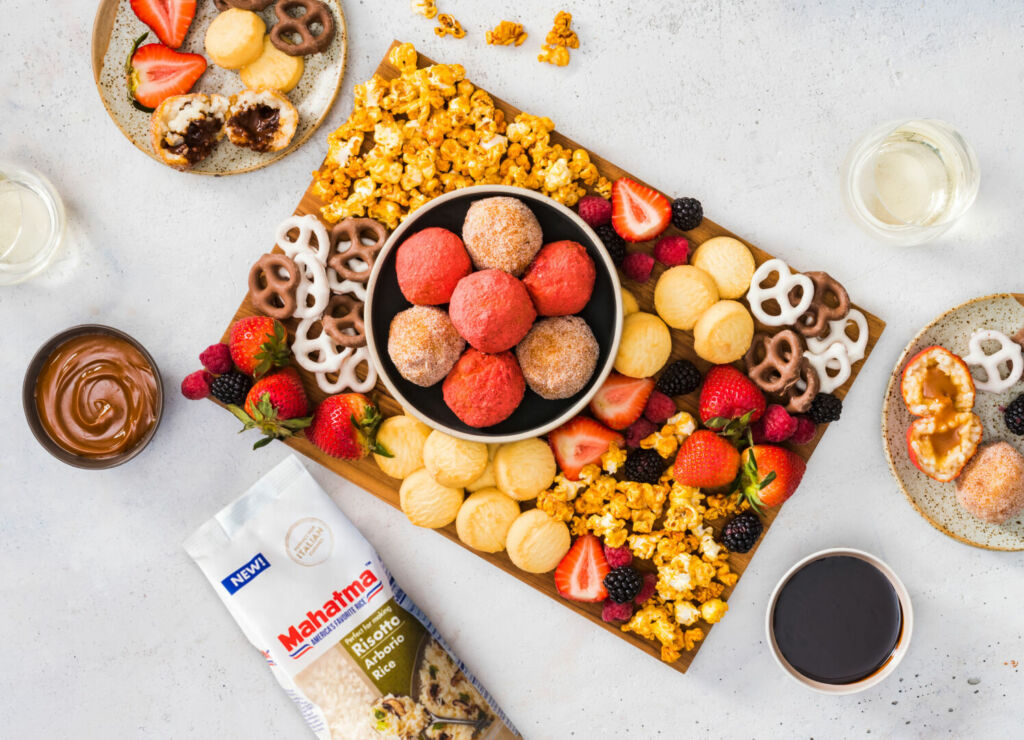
601,374
902,646
28,403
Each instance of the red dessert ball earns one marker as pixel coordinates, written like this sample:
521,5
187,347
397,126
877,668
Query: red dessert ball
491,310
560,279
429,265
483,389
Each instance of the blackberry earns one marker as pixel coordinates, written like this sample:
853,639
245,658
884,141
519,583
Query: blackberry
679,378
231,388
1014,415
623,584
825,408
644,466
614,243
687,213
741,532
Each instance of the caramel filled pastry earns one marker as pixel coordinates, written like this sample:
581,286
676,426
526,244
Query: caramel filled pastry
263,120
185,128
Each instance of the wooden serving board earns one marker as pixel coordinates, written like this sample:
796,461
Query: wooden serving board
366,474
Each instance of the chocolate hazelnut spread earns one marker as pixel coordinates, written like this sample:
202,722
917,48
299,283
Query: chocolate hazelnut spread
96,396
198,139
259,123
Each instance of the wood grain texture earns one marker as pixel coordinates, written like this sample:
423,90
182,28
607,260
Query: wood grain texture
366,474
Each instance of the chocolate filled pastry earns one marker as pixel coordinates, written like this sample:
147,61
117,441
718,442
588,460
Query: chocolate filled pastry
184,129
299,34
351,236
273,282
263,120
830,302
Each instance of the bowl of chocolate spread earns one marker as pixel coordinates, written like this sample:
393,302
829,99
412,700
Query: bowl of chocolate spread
93,396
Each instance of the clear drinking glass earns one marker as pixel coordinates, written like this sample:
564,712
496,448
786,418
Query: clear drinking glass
31,223
907,181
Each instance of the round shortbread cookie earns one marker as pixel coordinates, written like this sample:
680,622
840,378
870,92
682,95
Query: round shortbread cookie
453,461
537,542
723,333
485,518
235,38
272,68
426,502
403,437
629,303
485,480
682,294
525,468
729,262
645,345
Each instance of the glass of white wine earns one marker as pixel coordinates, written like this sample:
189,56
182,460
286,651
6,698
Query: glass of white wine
906,182
31,223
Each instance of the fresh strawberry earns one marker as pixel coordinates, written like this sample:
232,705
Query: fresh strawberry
770,475
729,401
580,575
156,72
638,212
706,460
276,405
578,442
345,426
258,344
169,19
621,400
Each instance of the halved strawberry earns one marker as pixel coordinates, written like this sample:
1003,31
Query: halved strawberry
156,72
638,212
580,575
169,19
621,400
578,442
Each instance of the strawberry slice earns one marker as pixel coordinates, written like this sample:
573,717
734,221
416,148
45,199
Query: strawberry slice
638,212
169,19
156,72
578,442
621,400
580,575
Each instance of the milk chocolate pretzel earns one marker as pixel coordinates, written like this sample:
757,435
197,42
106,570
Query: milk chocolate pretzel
288,27
351,317
773,362
254,5
271,293
798,400
352,230
814,321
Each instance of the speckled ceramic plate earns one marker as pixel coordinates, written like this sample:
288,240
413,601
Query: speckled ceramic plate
936,501
116,28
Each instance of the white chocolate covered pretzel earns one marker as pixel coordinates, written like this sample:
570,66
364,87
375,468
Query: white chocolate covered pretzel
1009,351
781,293
309,228
855,348
833,366
312,285
347,377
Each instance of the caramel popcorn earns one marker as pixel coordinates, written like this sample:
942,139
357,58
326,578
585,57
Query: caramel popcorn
667,439
560,34
506,33
556,55
432,132
426,8
448,26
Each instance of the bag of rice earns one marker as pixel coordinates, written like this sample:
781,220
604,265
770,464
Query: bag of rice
343,640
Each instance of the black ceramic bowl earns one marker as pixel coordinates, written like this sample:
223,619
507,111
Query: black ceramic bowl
535,415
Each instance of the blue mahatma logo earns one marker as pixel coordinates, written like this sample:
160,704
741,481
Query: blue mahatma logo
246,573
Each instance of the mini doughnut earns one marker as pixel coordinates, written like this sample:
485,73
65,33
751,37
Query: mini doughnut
525,468
485,518
426,502
452,461
404,437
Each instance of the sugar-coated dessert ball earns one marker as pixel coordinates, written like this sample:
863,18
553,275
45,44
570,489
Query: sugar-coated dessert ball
558,356
429,265
424,344
560,279
492,310
992,485
482,389
501,233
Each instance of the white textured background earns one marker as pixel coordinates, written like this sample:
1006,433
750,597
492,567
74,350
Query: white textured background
108,630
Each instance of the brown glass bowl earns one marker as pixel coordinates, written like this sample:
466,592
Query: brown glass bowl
28,399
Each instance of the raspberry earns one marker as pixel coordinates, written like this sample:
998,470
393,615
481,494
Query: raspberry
196,385
757,432
659,407
596,211
638,266
777,424
618,556
805,429
647,590
612,612
672,250
638,431
217,359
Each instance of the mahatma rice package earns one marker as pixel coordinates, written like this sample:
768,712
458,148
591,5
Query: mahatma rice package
343,640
